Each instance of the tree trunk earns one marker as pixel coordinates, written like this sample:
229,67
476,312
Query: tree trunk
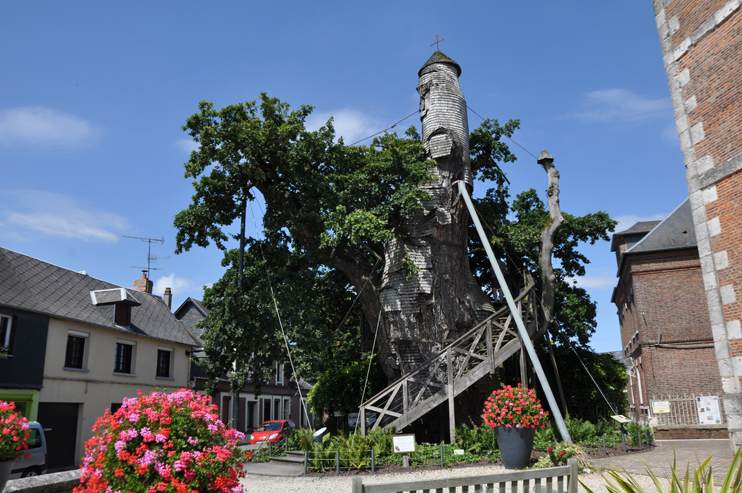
548,281
428,295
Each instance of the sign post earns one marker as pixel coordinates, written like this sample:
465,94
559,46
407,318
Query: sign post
404,444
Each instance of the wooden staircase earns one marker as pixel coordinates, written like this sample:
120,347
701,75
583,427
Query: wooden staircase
454,369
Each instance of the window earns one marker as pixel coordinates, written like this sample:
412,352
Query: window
164,360
279,374
122,314
124,357
75,355
6,324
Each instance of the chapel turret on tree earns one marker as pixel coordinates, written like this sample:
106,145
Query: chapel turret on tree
428,293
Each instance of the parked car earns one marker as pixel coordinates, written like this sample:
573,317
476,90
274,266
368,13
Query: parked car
35,463
272,431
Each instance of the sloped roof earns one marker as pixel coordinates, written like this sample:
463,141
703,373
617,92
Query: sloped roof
638,228
30,284
675,231
197,303
439,57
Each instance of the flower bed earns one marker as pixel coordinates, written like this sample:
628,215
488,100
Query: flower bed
162,443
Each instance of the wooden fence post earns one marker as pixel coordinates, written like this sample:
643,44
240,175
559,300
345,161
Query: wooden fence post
572,486
357,485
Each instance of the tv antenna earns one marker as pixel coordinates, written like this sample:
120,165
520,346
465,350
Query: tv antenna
150,258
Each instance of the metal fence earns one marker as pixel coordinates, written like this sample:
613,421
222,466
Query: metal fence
687,410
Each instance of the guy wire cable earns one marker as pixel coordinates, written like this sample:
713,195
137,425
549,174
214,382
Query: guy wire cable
509,138
347,314
278,314
388,128
368,371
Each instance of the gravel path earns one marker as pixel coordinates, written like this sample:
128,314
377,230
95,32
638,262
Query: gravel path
255,484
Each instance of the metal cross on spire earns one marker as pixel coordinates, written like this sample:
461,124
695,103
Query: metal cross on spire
436,42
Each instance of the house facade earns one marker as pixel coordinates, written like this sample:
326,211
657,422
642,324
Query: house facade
665,330
279,397
78,346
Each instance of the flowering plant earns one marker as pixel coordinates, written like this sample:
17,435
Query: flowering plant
515,407
162,443
14,432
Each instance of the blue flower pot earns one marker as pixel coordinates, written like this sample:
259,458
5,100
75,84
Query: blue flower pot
515,446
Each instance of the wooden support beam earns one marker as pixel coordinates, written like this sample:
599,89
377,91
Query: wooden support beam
490,349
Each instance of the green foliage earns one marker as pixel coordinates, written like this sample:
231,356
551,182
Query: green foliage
301,439
633,430
560,454
476,440
699,481
341,389
581,431
329,208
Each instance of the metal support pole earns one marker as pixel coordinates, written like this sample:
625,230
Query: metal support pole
449,388
605,452
623,438
526,340
306,461
337,462
373,461
639,436
646,437
443,464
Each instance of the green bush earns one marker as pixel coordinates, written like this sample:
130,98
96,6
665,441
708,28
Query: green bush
559,455
632,431
476,440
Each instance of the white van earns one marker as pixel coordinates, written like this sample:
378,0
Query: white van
35,464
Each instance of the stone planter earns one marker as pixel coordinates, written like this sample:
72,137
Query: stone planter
5,467
515,446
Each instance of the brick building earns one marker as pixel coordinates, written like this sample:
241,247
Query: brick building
702,51
661,302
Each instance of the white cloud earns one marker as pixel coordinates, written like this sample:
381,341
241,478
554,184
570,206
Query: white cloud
178,285
351,124
625,222
622,106
186,145
41,126
24,213
594,282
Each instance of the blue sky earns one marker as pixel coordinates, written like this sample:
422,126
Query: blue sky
93,95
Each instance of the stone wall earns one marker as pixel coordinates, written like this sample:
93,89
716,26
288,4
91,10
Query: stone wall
702,51
58,482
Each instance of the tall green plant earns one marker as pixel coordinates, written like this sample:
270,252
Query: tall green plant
701,481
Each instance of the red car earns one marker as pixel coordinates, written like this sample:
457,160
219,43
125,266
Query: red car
272,431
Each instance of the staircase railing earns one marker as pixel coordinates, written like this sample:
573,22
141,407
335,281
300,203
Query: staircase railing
458,366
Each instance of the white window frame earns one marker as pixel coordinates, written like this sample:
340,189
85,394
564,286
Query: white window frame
279,373
170,370
8,333
82,335
133,358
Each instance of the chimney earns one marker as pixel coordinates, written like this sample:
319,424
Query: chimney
168,298
143,284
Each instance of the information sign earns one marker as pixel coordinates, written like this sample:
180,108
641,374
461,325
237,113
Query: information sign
708,410
660,407
403,444
621,418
